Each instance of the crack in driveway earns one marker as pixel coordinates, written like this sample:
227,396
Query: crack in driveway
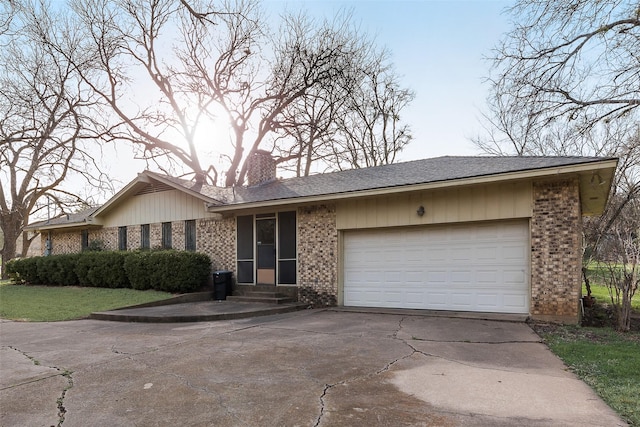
388,366
65,373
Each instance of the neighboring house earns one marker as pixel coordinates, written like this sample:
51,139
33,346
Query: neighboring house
485,234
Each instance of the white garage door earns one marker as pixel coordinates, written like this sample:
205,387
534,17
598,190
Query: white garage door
463,267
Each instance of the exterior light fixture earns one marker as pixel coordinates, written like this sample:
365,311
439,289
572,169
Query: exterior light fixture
420,211
596,179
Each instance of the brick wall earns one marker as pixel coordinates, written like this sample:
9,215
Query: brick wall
177,235
108,236
318,255
556,254
155,235
62,243
133,236
217,238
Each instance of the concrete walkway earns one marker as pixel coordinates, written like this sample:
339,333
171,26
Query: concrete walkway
200,311
307,368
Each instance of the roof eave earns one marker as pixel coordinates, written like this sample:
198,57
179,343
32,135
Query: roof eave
189,191
66,226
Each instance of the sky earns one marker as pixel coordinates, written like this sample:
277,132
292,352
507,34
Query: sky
439,49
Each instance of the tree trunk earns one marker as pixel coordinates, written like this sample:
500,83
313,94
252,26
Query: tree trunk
11,230
586,281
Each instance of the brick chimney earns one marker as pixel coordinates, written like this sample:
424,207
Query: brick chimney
261,168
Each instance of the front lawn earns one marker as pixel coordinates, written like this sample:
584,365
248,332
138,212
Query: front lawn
50,304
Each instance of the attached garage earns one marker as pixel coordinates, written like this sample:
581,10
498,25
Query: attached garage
482,267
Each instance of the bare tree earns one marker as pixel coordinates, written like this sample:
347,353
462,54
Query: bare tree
43,123
131,69
576,61
619,259
566,81
369,131
351,120
225,60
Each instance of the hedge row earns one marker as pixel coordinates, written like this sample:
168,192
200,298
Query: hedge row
166,270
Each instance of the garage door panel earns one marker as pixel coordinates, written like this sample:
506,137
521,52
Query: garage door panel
436,277
514,253
470,268
461,277
515,277
462,301
488,301
437,300
487,276
515,301
487,253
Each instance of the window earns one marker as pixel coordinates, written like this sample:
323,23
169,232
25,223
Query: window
166,235
145,239
287,248
190,235
122,238
245,249
84,240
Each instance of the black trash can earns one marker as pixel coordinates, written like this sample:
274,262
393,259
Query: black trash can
222,285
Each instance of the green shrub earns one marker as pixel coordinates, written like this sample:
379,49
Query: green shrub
189,271
58,270
65,274
164,270
85,263
23,270
109,273
167,270
102,269
139,269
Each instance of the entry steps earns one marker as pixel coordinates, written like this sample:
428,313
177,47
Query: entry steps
269,297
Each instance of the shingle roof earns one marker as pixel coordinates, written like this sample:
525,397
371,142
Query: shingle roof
415,172
68,219
434,170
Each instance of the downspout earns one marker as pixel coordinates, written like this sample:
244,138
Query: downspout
48,246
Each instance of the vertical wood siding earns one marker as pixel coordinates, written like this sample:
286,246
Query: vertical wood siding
165,206
472,203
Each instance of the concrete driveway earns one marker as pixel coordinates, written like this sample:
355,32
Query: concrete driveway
310,368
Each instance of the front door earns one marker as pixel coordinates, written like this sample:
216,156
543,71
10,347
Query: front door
266,251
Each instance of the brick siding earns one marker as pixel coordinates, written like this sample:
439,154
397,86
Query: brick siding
318,255
63,243
217,238
556,251
133,236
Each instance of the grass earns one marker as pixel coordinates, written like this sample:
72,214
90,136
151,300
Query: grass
604,359
51,304
601,294
599,290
